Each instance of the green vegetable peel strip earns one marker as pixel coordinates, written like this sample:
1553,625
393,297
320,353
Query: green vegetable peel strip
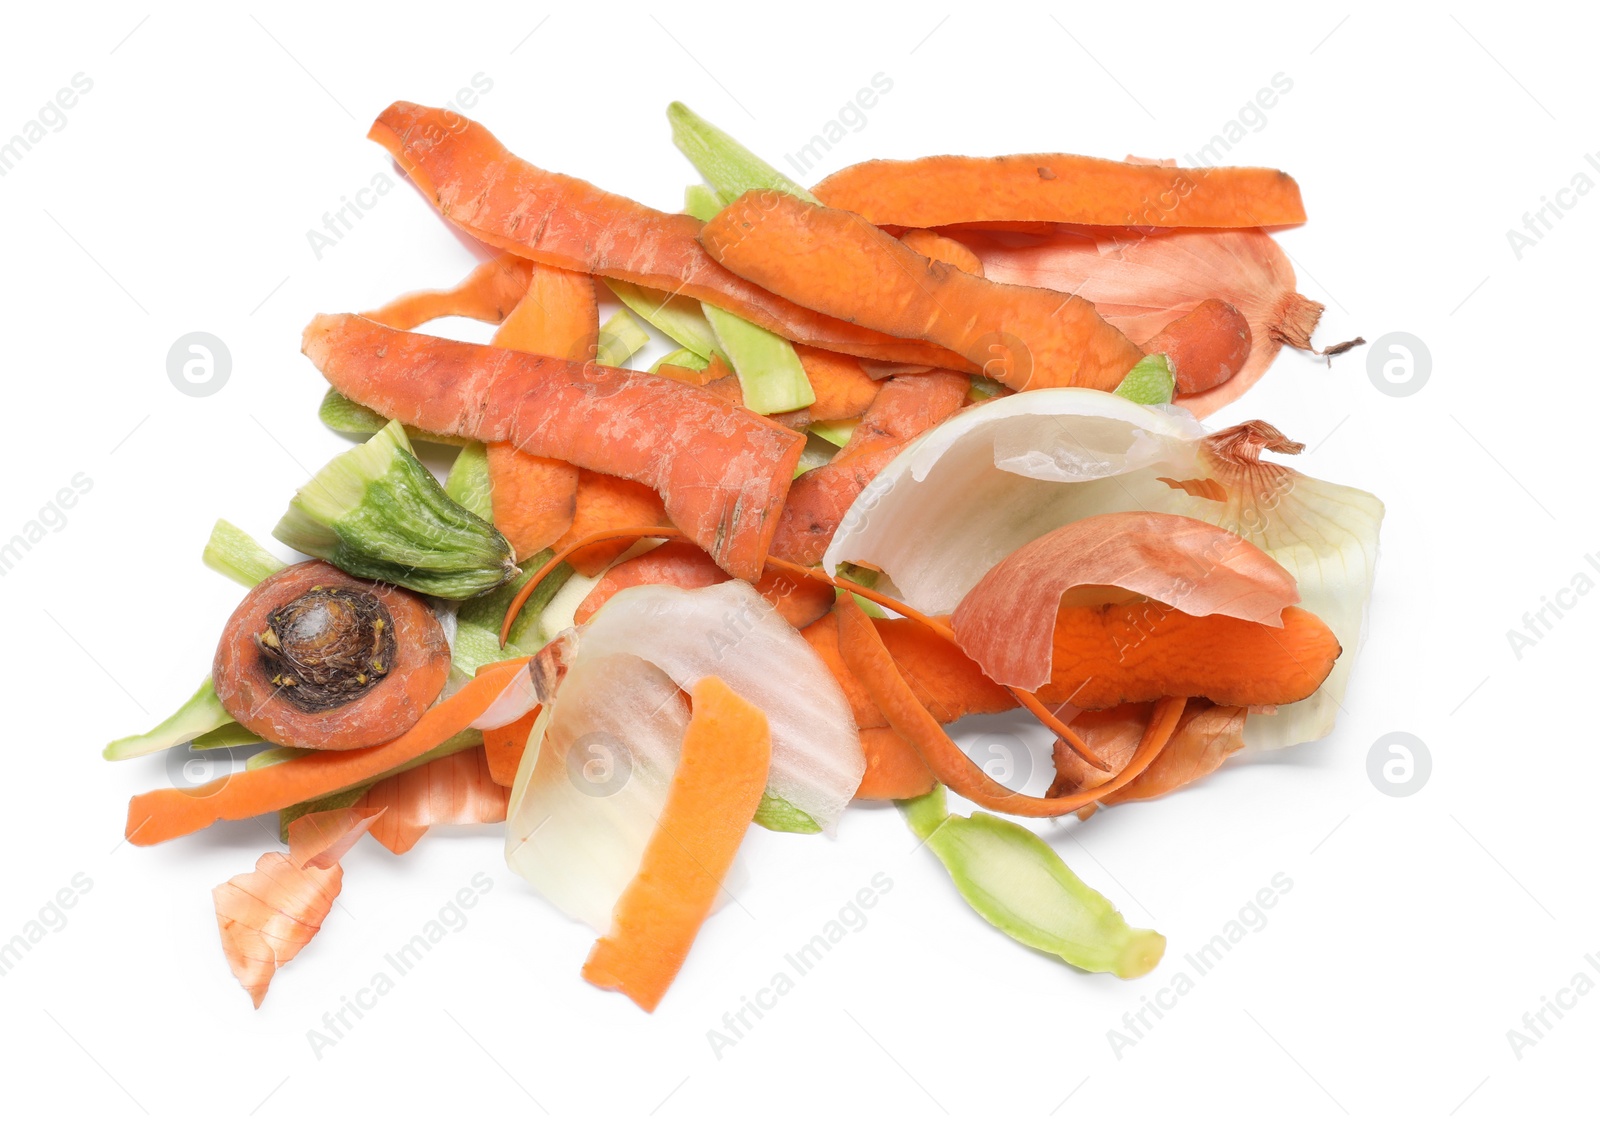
620,338
1019,885
683,358
777,815
468,481
768,368
678,317
238,556
201,714
1148,382
345,416
730,168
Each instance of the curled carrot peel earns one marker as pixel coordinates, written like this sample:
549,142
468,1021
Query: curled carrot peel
633,532
166,814
872,663
1029,702
488,294
607,502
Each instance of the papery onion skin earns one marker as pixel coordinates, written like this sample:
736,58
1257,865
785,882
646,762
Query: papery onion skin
1140,280
1008,470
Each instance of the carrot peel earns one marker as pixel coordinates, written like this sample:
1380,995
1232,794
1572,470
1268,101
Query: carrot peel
866,655
714,794
166,814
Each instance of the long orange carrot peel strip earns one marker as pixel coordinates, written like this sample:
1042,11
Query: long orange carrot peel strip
722,472
565,222
713,796
268,915
1062,188
834,261
165,814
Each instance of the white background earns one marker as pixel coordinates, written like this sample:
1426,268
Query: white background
1418,931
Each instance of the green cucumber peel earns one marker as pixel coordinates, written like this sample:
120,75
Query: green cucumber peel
476,645
376,512
266,758
683,358
769,370
817,452
777,815
202,713
620,338
836,432
238,556
468,481
678,317
984,388
1019,885
867,578
345,416
730,168
229,736
1148,382
702,202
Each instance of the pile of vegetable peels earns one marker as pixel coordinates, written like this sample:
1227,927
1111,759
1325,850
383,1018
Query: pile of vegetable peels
929,445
